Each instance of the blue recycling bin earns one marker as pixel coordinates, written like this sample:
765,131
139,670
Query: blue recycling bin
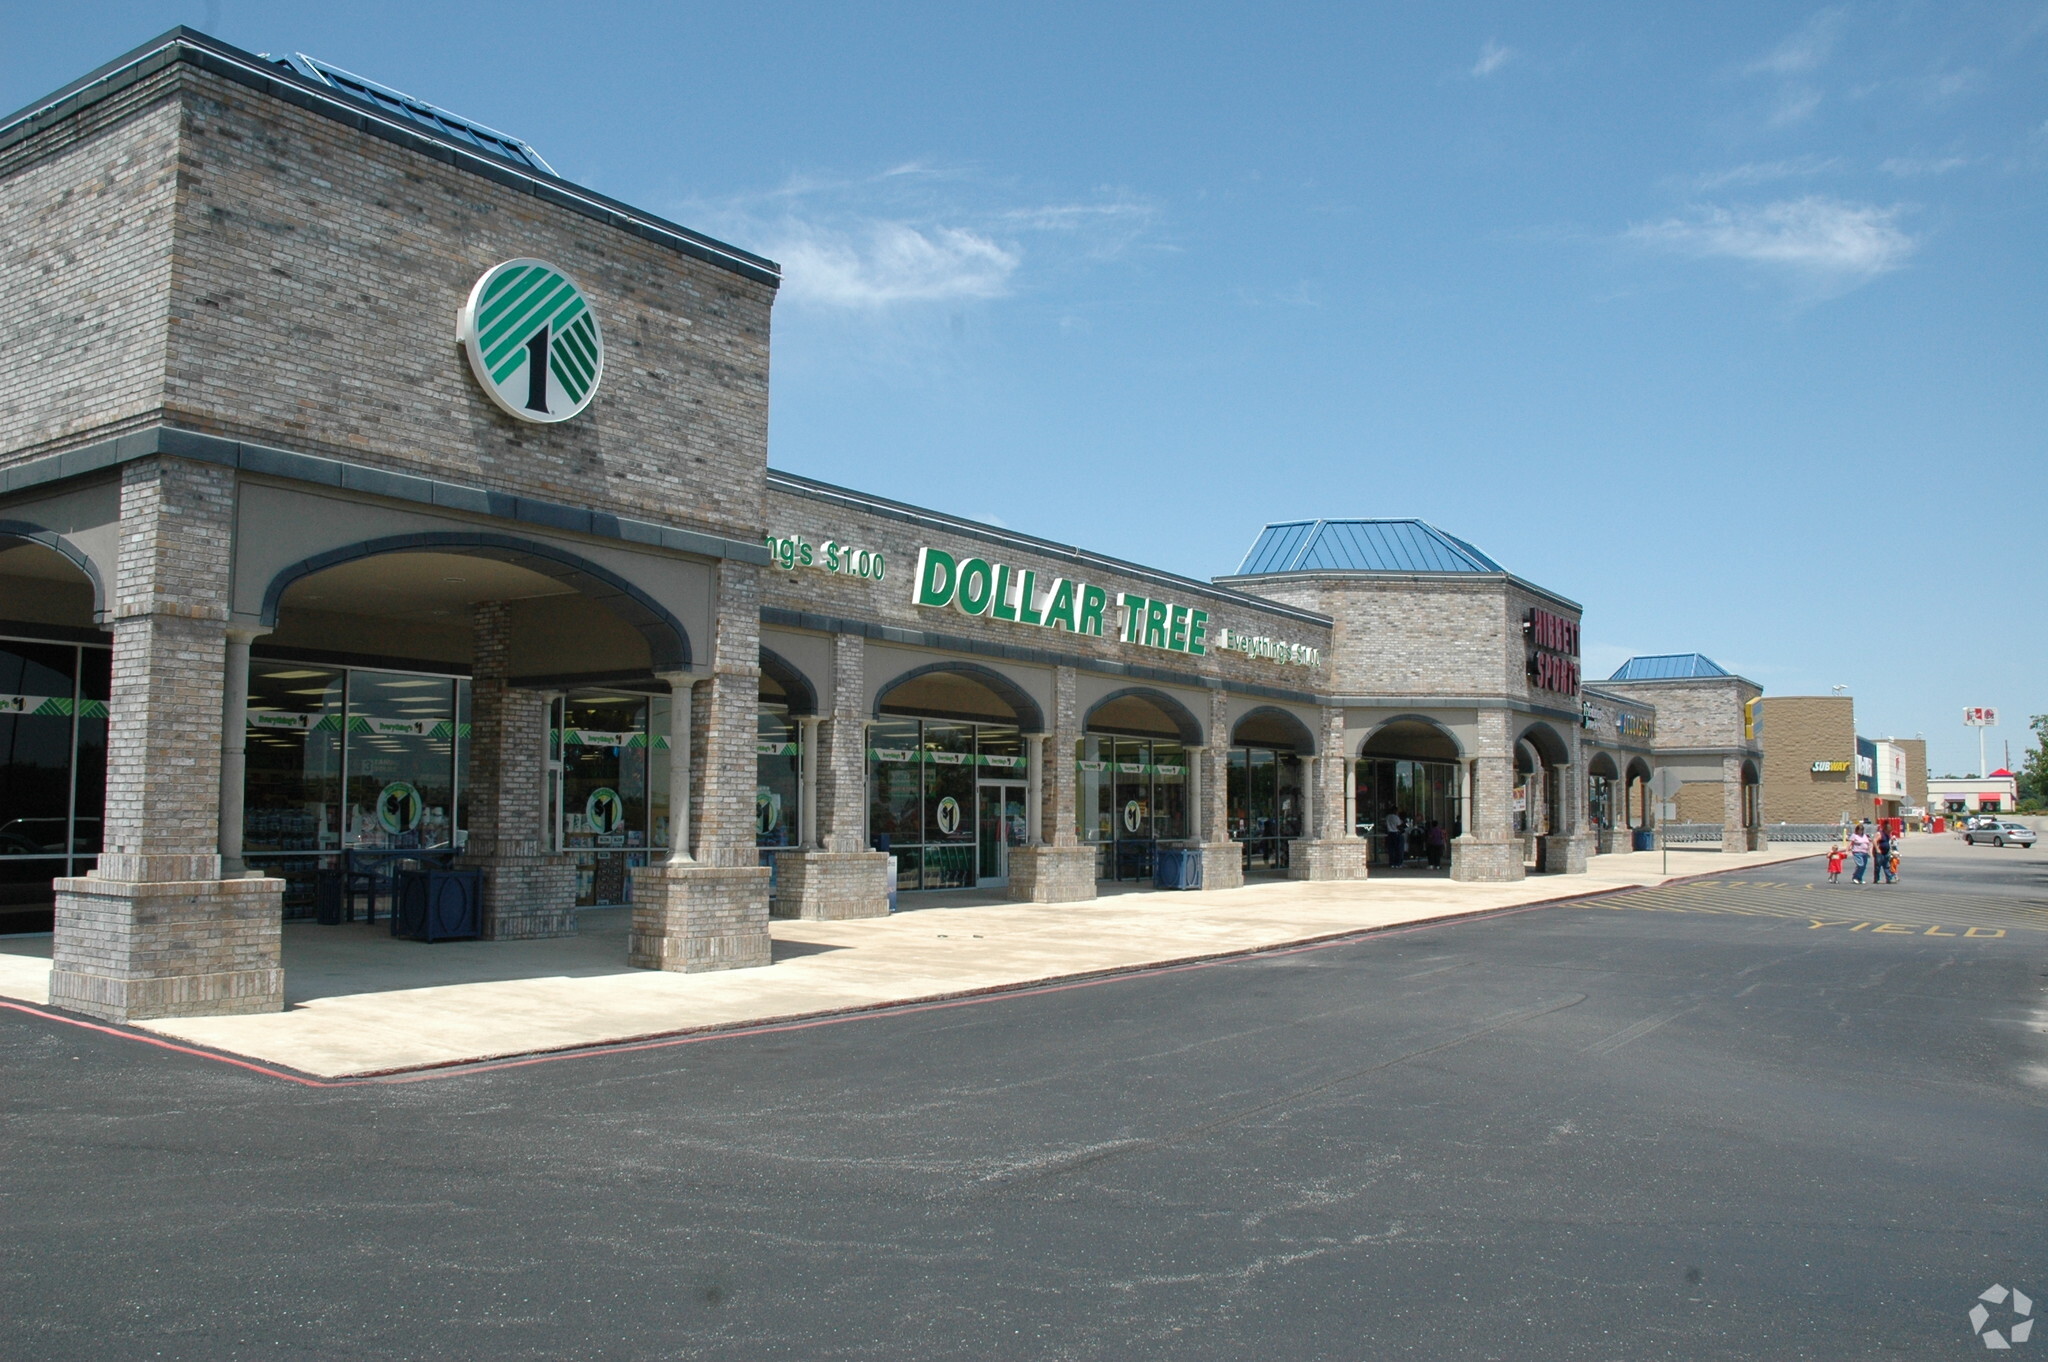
1176,868
437,905
1642,839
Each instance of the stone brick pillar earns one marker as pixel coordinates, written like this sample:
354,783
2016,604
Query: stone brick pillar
1565,846
154,930
1062,868
1490,851
1734,835
1331,851
834,875
529,891
1222,859
706,907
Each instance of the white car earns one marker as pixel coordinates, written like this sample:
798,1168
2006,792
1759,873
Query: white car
1999,832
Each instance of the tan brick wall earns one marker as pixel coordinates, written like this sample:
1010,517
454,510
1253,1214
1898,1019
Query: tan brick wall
1798,731
296,283
86,215
1402,637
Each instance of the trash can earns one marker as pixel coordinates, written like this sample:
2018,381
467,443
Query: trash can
1643,840
437,905
1176,868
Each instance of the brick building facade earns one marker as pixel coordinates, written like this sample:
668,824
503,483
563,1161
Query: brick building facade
299,585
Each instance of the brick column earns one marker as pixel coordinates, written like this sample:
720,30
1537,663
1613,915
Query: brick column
528,890
1490,851
1734,835
835,875
712,913
1062,868
155,931
1222,859
1565,846
1331,851
234,752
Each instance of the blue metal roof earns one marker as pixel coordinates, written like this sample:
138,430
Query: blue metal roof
1361,546
431,117
1667,667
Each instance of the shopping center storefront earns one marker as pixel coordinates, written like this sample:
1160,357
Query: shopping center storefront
297,598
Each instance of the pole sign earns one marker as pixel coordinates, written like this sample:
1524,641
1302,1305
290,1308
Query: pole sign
999,591
1553,658
1980,716
532,340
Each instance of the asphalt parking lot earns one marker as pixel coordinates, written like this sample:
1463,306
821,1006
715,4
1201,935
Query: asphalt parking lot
1712,1120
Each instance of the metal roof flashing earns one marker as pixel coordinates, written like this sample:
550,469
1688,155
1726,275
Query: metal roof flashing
415,128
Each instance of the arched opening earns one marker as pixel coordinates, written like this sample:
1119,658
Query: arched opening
1408,792
1603,798
1752,798
1131,786
787,696
1541,757
947,775
1636,796
362,740
55,683
1264,794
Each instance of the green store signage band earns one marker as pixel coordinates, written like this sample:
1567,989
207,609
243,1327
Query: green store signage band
533,342
999,591
791,552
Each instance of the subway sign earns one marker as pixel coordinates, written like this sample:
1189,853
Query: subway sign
976,586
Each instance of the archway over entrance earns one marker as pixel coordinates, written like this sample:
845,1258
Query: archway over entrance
1132,779
1266,785
1408,777
55,686
949,776
1603,799
1541,798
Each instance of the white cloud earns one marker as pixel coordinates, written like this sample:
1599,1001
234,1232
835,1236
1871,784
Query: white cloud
1822,238
1763,172
879,263
1805,49
1492,57
1796,106
1908,167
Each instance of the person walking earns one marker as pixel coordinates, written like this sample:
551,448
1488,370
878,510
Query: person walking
1397,839
1434,838
1881,868
1835,858
1859,851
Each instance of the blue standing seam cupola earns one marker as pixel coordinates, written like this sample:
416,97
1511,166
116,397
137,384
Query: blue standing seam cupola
1668,667
1361,546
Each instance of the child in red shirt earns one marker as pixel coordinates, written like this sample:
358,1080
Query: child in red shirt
1835,865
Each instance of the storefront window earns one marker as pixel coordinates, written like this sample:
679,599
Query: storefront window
926,781
400,777
1422,792
1262,799
1130,794
778,784
53,755
604,793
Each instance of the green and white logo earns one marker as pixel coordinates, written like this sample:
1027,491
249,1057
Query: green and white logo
399,807
604,810
532,340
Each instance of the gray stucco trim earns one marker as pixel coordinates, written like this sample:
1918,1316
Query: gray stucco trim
1507,702
210,54
352,477
28,532
1336,574
1010,652
869,504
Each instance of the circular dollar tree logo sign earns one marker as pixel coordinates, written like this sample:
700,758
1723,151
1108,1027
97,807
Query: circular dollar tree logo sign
949,815
1134,816
604,809
532,341
399,807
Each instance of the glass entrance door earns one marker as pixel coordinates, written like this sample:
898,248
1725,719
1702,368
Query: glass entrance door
1000,825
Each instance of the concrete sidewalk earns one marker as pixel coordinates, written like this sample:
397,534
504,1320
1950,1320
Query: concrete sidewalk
360,1002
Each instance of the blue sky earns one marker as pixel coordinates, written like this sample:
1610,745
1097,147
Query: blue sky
1726,321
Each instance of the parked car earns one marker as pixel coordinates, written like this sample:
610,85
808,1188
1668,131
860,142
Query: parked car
2000,832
